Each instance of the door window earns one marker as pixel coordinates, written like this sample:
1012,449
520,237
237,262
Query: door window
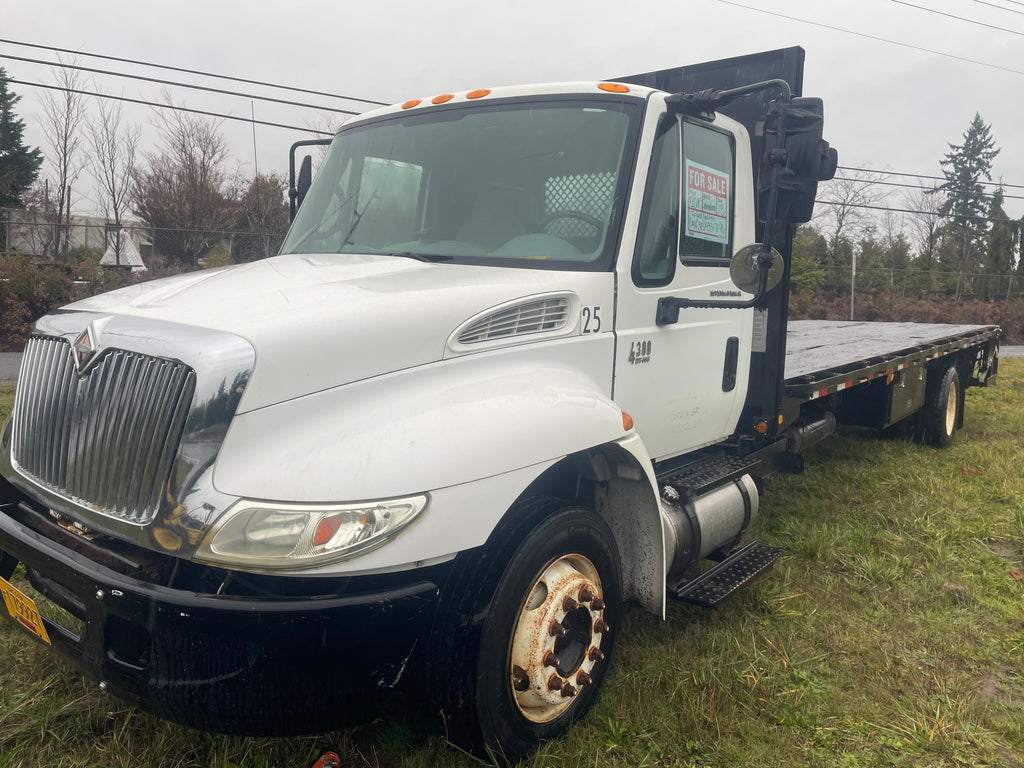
688,203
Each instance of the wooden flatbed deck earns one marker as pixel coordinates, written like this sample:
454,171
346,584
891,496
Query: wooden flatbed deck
826,356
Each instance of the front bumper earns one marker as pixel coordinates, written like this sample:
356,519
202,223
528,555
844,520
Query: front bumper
225,663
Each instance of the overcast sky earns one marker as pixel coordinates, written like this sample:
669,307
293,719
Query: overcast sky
900,80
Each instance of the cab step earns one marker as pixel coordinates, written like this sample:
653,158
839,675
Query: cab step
721,580
703,476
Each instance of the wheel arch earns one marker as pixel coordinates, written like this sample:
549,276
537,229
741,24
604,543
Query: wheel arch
616,481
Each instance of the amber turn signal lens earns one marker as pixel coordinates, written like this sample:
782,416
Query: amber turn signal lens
627,421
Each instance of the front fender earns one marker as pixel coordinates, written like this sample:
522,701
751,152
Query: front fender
430,427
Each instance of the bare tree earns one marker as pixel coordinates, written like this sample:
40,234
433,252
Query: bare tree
183,191
114,147
263,217
926,222
850,203
64,115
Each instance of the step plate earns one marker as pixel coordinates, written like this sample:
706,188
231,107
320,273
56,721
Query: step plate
739,569
709,474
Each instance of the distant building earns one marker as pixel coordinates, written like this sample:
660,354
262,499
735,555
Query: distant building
34,234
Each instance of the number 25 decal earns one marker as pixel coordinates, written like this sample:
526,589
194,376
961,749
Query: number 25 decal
591,320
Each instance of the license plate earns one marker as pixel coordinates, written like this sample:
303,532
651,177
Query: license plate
23,610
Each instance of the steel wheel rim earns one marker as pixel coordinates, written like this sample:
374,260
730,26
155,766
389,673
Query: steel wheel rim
556,642
951,399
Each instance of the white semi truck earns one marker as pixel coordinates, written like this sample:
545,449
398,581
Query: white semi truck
523,358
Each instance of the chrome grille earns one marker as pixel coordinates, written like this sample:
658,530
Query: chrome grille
534,317
105,440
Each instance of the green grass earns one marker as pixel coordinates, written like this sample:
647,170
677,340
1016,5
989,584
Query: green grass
891,634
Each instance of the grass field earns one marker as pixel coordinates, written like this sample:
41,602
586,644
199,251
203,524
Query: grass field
891,634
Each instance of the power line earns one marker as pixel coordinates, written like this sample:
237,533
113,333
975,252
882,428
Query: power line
176,84
906,210
190,71
158,105
915,186
959,18
1002,7
873,37
925,176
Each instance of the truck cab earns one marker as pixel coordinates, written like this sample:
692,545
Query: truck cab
430,431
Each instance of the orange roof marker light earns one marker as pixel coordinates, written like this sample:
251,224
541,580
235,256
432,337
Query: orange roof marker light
444,97
412,103
479,93
613,87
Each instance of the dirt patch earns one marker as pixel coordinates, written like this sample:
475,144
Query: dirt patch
1006,550
999,686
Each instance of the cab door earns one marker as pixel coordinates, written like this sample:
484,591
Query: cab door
684,383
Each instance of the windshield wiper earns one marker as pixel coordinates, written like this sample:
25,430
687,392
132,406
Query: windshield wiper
423,256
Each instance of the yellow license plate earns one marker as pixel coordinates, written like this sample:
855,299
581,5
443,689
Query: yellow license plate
23,610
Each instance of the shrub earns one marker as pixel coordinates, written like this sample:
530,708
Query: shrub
218,257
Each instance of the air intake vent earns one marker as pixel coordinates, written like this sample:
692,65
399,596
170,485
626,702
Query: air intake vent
550,314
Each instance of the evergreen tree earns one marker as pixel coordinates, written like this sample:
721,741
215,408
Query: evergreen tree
19,165
965,166
999,248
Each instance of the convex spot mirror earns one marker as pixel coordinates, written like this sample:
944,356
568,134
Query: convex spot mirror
745,271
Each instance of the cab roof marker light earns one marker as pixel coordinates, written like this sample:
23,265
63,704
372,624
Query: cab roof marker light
443,98
479,93
613,87
412,103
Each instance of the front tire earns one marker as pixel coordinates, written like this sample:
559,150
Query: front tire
525,629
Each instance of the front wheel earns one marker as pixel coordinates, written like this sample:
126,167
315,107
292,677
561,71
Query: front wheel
534,618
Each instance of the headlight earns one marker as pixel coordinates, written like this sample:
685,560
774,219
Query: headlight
267,535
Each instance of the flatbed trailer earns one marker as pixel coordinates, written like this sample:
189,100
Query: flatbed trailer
876,374
824,357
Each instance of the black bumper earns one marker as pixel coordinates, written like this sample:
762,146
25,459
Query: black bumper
230,664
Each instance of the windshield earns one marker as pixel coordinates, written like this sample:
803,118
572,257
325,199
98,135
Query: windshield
534,184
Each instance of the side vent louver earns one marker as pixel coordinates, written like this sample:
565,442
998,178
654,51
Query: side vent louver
548,314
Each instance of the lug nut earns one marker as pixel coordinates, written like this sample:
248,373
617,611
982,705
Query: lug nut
557,630
550,660
555,683
569,605
583,678
601,626
568,690
595,654
586,595
597,604
519,679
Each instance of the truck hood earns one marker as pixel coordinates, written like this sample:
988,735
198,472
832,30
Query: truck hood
321,321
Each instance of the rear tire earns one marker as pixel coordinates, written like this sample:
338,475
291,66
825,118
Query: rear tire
539,605
941,413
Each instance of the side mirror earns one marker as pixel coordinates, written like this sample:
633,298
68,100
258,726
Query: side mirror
745,268
297,188
806,157
304,181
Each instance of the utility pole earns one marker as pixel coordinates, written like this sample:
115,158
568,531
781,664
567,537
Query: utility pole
853,281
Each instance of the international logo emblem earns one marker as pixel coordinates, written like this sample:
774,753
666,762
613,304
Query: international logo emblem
85,349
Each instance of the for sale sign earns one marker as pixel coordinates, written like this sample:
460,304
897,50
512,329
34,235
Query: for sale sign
707,203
